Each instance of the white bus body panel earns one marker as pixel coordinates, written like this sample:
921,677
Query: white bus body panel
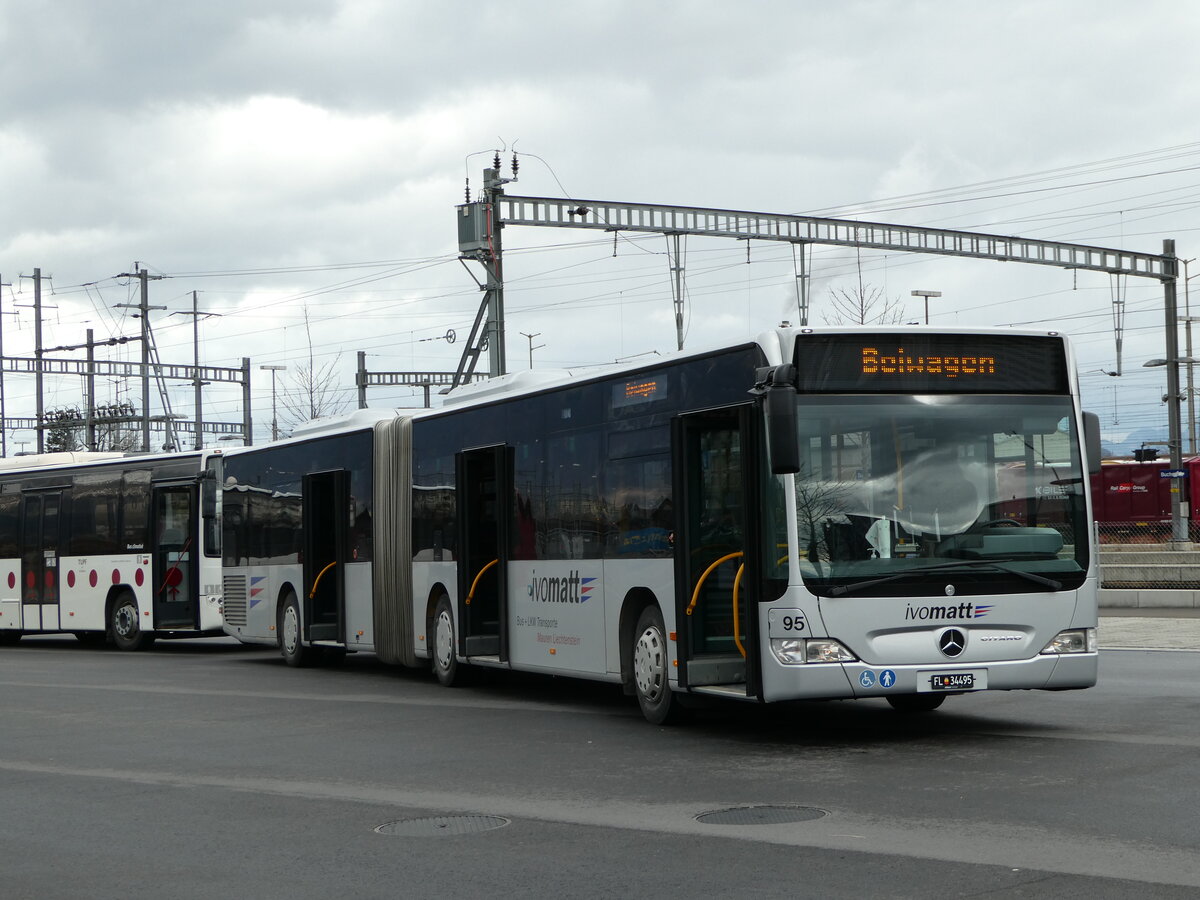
360,610
10,595
264,585
86,582
621,576
556,615
426,577
570,627
898,651
84,585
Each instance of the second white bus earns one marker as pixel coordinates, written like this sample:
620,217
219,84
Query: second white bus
109,546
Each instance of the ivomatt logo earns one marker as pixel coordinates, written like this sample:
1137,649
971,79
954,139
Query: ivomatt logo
569,589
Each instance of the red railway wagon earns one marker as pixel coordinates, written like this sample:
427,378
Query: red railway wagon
1135,498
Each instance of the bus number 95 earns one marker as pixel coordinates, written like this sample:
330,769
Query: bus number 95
786,622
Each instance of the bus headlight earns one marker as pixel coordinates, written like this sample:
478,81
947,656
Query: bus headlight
1075,640
827,650
795,651
788,651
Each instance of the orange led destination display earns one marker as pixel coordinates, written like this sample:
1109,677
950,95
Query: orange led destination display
903,363
931,363
639,391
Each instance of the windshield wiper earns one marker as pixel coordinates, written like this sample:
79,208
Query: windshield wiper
842,589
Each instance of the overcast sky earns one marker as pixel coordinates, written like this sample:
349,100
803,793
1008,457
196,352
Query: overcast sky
293,157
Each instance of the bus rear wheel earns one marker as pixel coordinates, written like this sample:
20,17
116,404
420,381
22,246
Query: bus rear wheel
291,641
125,624
916,703
7,638
650,665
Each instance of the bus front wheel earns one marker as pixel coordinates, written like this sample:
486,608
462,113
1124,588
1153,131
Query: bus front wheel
445,653
651,670
291,642
125,624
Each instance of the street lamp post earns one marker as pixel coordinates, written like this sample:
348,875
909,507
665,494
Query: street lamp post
1179,508
1190,393
274,420
927,295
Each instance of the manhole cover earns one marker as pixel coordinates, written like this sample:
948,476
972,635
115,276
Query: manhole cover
442,825
760,815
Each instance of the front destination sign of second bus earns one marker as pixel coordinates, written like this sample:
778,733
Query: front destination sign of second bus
820,513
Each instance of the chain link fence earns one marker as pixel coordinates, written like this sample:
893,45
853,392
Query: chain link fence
1141,532
1143,555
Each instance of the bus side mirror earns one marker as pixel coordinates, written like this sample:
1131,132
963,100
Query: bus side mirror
1091,441
208,494
777,388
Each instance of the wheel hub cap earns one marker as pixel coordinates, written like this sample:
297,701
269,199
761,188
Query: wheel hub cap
444,640
650,664
126,621
290,629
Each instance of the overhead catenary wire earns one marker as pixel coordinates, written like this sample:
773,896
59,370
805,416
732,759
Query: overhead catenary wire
697,287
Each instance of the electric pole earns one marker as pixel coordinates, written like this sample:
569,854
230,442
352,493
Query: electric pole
479,239
493,184
677,286
89,422
37,353
3,424
274,417
197,382
143,307
531,347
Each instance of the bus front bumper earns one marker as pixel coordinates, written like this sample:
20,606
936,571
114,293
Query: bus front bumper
859,680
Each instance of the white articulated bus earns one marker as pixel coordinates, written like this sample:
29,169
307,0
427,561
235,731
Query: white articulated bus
108,545
821,513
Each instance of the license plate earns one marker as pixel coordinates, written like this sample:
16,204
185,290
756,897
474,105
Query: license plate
957,681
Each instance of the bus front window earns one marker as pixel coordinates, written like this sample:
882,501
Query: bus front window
894,491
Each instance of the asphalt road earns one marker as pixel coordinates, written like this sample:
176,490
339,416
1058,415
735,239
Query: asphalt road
207,769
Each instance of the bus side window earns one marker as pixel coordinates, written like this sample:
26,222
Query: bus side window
135,509
10,512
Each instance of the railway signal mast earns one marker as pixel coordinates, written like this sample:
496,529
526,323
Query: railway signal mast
481,221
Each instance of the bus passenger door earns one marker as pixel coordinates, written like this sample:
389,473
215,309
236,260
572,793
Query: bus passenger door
716,567
39,561
327,511
484,506
175,558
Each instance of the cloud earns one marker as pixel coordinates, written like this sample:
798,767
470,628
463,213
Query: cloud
263,137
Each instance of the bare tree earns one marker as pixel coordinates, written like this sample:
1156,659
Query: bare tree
865,304
313,393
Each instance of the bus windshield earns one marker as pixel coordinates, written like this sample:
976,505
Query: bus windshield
897,492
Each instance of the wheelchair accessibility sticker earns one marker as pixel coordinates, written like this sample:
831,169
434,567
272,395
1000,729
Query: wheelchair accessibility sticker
887,679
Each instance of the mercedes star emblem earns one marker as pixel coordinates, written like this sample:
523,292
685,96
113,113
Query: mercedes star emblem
952,642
